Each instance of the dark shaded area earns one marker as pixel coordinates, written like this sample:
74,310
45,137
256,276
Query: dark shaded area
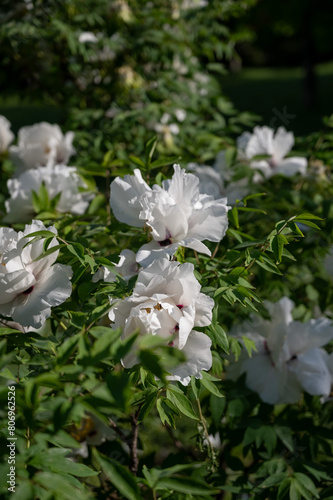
276,95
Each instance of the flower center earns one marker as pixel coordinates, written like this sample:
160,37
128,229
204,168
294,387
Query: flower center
165,243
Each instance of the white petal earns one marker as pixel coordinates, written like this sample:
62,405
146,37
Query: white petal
273,386
203,310
282,143
209,221
303,337
153,251
124,199
312,372
13,284
291,166
183,188
53,289
260,143
199,357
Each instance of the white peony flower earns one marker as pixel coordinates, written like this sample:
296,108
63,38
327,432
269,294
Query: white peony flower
42,144
30,287
289,357
176,213
211,182
167,301
58,180
6,135
126,267
263,141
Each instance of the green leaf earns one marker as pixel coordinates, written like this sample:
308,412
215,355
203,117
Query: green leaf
151,361
150,148
148,405
187,485
119,476
283,489
273,479
166,411
66,349
277,244
137,161
306,484
42,233
195,384
53,460
220,337
161,162
294,493
61,484
233,214
78,319
206,382
179,399
307,216
266,263
249,345
285,435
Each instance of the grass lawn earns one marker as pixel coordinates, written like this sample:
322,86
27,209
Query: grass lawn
267,91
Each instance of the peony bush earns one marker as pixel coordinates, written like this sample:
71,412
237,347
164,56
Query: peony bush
165,266
162,341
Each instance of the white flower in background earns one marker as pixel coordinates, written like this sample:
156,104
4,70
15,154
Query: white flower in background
216,180
42,144
176,213
87,36
289,357
127,267
166,129
167,301
6,135
180,114
263,141
30,287
210,181
58,180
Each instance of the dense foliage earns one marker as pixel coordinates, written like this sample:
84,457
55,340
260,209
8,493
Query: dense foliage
142,95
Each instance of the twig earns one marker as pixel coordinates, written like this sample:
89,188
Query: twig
215,251
203,422
115,427
133,449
